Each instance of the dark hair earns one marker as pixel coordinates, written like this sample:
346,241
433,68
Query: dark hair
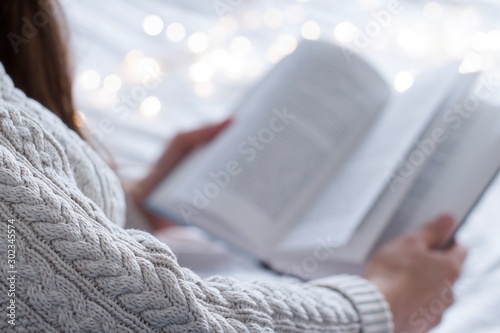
34,51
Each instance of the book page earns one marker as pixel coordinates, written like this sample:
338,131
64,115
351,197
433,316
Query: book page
414,164
403,180
455,176
291,133
346,201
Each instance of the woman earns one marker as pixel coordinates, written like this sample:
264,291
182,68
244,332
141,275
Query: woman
71,267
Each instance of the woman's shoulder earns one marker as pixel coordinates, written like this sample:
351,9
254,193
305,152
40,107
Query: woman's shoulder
41,141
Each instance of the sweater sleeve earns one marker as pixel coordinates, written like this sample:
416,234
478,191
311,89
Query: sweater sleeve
77,271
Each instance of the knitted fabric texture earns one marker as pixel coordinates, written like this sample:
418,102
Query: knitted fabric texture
78,270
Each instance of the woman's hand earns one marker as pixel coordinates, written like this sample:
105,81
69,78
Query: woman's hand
180,146
415,278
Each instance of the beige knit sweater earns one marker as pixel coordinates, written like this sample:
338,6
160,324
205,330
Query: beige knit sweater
76,269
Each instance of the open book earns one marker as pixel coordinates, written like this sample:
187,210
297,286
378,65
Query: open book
325,161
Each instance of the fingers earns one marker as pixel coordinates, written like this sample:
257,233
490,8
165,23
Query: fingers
180,146
185,142
437,232
202,135
451,261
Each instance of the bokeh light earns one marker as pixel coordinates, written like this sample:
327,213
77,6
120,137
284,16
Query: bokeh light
229,24
252,20
275,54
203,89
80,119
403,81
494,40
287,43
241,45
90,79
433,11
217,35
311,30
112,83
152,25
345,32
415,42
200,72
198,42
175,32
133,56
273,18
150,106
145,68
234,68
218,58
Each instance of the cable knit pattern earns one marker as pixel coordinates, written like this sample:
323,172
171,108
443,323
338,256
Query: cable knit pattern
78,271
103,187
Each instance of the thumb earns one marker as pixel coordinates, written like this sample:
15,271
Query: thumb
437,232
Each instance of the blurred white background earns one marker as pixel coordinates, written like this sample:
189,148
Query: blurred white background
199,57
148,69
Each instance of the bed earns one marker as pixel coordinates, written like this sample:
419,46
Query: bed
117,40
